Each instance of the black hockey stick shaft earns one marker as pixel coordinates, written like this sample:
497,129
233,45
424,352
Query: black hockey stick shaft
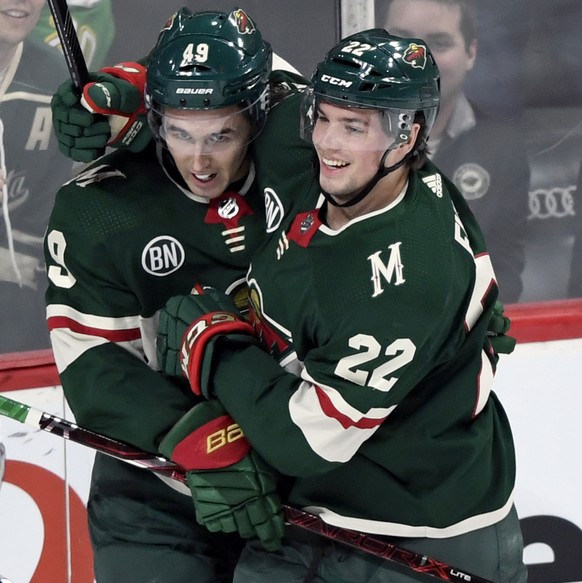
299,518
69,43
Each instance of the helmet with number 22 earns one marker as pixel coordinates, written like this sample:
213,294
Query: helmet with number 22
375,70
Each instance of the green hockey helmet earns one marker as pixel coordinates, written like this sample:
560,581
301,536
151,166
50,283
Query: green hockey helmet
206,61
373,69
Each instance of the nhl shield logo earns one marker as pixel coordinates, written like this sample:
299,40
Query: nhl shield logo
228,208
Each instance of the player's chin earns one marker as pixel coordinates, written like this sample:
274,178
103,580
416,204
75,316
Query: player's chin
332,186
210,190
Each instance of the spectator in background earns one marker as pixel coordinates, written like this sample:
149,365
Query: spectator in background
95,26
33,169
485,157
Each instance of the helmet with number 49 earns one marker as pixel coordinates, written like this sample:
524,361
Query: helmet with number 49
207,61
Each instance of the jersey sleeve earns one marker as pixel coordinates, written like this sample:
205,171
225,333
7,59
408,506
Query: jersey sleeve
351,386
102,344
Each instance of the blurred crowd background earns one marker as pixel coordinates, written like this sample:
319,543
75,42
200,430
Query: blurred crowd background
510,133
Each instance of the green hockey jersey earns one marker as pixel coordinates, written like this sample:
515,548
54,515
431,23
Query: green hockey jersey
122,239
382,407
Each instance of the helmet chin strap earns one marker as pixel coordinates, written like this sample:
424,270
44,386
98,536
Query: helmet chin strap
380,173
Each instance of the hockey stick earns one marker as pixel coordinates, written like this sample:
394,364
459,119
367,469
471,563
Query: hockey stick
299,518
69,43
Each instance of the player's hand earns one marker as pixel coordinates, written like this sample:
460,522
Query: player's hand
232,487
81,135
193,329
497,329
110,112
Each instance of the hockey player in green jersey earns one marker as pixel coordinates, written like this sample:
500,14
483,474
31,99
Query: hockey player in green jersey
373,385
126,234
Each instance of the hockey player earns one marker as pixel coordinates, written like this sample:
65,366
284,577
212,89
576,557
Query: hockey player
375,302
126,234
277,151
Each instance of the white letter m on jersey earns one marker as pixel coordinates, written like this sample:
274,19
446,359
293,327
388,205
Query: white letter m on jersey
392,270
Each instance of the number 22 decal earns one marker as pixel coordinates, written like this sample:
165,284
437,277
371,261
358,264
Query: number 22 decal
357,48
402,350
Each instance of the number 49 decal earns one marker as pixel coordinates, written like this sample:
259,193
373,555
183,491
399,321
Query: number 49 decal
194,54
401,350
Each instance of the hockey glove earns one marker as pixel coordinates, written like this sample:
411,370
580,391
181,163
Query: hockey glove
497,329
81,135
232,487
83,131
193,329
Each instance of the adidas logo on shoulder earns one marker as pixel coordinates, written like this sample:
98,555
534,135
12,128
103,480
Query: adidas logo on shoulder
435,183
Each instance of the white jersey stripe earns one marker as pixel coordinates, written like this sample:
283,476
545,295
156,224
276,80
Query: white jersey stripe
333,428
92,321
406,530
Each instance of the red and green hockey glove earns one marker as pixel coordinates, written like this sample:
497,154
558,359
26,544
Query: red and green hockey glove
81,135
192,331
110,112
497,329
232,487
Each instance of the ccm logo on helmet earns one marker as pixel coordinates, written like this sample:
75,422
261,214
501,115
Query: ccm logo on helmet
194,91
336,81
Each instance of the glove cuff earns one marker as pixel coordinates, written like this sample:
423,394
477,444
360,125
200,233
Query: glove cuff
197,337
205,438
132,72
130,132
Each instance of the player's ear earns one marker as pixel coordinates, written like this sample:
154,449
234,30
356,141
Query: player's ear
411,141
